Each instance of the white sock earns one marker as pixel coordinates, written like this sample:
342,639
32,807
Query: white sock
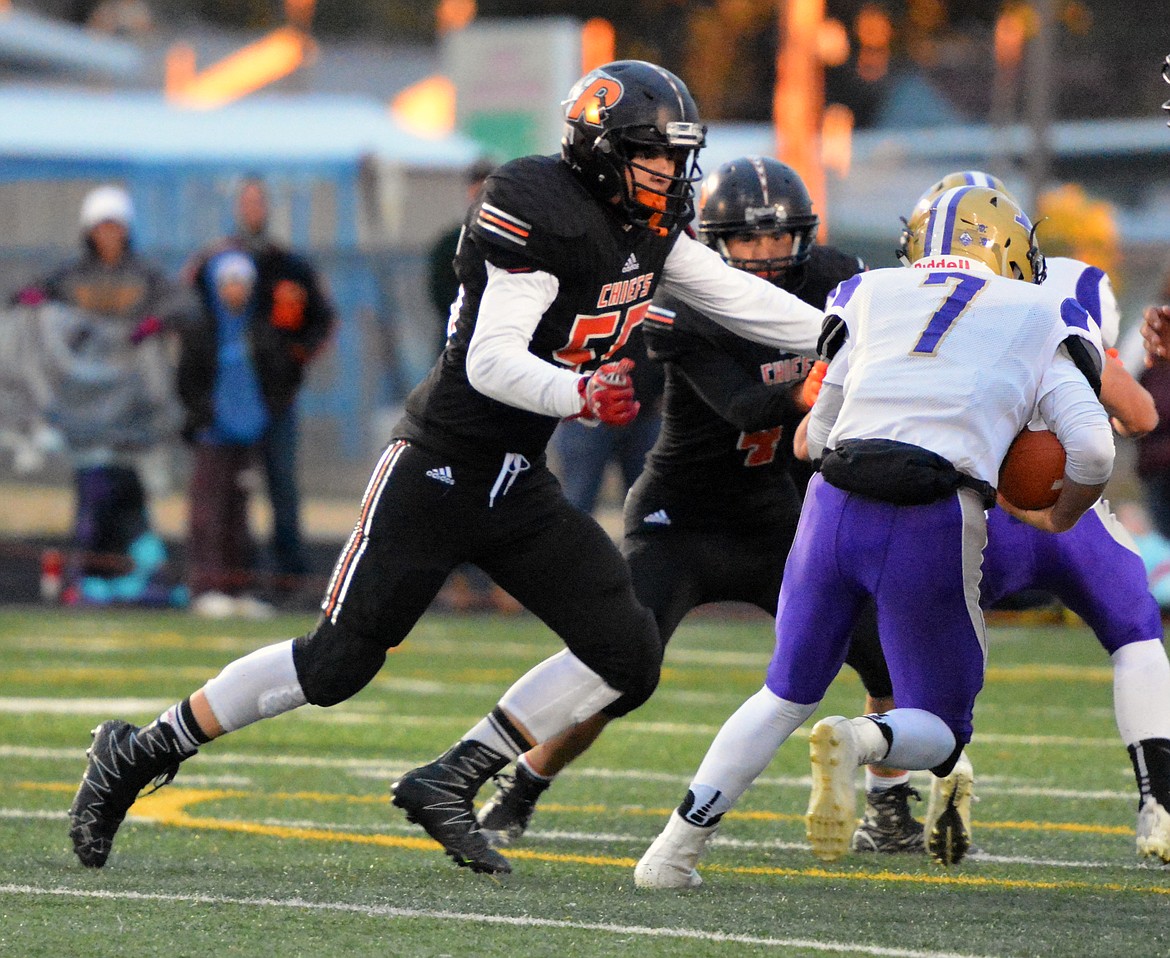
744,747
497,731
920,739
559,692
188,735
1141,691
879,783
872,743
260,685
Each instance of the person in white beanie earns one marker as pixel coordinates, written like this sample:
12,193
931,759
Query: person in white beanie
114,402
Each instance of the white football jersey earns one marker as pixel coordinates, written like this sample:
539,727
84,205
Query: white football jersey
951,357
1090,287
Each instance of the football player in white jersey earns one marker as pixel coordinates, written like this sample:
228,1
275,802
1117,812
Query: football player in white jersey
1094,569
933,371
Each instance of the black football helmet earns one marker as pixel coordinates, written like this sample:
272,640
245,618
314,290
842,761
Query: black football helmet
756,195
627,109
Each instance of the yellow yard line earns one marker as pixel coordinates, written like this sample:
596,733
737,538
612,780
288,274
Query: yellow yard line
169,807
196,795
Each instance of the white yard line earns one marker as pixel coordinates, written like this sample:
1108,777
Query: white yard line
525,921
369,713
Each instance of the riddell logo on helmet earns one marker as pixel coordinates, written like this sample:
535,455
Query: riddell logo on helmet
944,262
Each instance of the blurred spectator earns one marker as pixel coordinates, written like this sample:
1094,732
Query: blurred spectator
1152,546
221,383
111,399
583,454
290,322
1153,449
442,282
123,18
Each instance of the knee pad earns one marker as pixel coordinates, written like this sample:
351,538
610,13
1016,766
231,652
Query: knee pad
333,664
640,671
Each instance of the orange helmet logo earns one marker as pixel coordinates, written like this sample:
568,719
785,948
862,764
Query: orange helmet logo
600,93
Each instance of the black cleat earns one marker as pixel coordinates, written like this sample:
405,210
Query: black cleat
438,796
123,759
888,825
506,815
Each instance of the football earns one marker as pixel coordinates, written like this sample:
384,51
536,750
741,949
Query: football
1033,470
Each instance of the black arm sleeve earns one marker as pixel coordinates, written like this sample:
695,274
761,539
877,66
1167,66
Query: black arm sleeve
1086,361
726,387
833,335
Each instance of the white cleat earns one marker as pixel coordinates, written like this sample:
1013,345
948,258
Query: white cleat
832,808
1153,831
948,815
670,861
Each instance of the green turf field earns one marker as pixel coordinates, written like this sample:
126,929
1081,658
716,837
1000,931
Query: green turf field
280,840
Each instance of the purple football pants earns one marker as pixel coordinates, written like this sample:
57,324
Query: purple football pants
921,564
1094,569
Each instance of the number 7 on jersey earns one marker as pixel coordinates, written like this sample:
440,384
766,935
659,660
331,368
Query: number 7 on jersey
967,287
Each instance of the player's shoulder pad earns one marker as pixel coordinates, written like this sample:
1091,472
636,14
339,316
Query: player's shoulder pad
531,199
1083,342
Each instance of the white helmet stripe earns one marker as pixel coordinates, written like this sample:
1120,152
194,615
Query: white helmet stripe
941,225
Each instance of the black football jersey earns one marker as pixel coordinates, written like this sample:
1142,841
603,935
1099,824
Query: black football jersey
534,214
729,413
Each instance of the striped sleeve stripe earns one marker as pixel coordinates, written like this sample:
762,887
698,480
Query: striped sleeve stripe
660,315
354,548
495,220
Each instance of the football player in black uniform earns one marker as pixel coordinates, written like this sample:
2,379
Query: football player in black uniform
714,514
559,260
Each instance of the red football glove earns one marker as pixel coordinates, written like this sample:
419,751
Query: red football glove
608,395
812,386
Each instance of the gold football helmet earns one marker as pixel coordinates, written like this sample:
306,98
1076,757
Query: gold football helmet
983,224
950,181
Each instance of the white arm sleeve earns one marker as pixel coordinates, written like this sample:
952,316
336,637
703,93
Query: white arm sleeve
824,415
745,304
499,364
1069,406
